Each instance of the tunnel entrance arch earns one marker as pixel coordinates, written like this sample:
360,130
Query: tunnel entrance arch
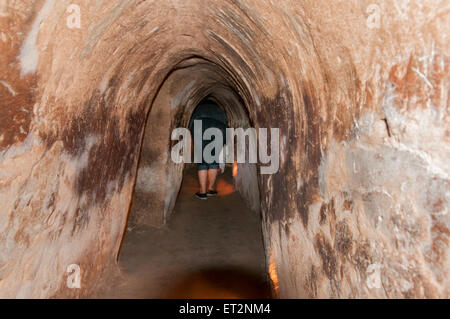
158,178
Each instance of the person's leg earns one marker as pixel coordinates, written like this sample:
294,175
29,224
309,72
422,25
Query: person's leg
213,171
212,176
202,178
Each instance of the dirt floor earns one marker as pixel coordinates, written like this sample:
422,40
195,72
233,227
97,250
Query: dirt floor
208,249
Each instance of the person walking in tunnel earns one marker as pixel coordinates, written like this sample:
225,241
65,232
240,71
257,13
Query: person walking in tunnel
210,115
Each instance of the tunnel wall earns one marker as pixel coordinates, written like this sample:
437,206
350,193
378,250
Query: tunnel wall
158,178
359,90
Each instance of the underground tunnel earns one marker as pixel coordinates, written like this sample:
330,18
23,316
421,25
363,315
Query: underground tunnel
91,92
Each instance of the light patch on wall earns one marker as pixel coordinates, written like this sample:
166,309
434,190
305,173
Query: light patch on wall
256,97
299,182
9,87
406,285
154,30
4,9
3,37
183,96
83,160
416,141
283,148
269,187
128,80
103,24
269,75
168,201
105,81
20,149
413,133
283,80
29,54
373,280
147,180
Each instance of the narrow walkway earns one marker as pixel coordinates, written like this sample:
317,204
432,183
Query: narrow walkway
209,249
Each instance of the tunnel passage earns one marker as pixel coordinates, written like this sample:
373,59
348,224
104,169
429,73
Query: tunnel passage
219,242
359,207
159,178
206,249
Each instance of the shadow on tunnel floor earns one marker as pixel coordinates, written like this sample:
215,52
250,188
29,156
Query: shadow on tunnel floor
219,283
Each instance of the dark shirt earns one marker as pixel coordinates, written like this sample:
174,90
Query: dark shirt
209,110
212,116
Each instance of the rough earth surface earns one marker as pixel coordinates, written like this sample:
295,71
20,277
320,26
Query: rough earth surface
359,90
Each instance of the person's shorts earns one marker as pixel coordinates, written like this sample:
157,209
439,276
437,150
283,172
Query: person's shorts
207,166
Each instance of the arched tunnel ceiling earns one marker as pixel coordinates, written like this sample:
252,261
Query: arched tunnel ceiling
197,79
168,42
358,207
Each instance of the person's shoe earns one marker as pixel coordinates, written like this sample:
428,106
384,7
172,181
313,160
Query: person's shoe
201,196
211,193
